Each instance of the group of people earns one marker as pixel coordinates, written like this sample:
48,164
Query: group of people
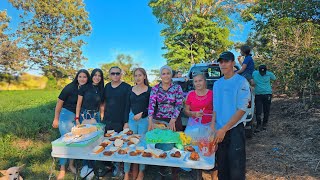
119,105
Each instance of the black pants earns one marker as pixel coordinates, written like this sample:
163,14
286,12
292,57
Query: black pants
231,155
262,103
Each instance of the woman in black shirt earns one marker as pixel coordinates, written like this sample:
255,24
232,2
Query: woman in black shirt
137,112
65,112
90,99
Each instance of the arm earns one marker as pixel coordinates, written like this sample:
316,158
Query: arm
152,104
78,108
272,76
57,111
127,110
243,68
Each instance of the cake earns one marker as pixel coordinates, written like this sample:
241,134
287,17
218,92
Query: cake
118,143
189,148
108,153
163,155
83,129
140,149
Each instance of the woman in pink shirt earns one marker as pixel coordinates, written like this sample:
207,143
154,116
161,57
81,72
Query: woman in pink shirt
199,106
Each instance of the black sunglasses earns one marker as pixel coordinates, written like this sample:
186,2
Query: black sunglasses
115,73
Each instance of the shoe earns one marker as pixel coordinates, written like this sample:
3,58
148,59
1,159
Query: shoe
84,171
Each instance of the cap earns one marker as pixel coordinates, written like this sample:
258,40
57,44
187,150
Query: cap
263,69
227,55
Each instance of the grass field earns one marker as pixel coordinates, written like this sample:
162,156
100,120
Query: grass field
25,131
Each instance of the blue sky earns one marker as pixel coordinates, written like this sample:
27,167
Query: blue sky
125,26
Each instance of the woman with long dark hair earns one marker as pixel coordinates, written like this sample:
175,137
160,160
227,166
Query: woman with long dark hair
65,113
137,112
90,99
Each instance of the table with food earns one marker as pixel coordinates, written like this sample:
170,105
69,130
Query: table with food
91,142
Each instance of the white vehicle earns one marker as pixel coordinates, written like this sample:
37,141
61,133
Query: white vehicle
213,73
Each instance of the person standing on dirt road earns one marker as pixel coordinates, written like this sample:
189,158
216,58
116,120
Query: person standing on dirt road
231,97
263,95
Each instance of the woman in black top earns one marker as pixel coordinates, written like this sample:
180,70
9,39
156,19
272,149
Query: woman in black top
137,112
65,112
90,99
115,99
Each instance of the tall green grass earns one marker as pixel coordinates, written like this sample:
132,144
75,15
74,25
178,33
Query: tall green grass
26,132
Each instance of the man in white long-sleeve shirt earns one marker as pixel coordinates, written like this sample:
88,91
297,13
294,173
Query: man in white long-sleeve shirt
231,98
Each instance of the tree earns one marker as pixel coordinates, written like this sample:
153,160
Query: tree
194,30
52,32
127,65
12,57
286,38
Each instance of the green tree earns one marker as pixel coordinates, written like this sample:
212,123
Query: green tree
127,65
287,39
52,32
194,30
12,57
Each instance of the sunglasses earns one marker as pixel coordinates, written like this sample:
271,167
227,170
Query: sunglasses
115,73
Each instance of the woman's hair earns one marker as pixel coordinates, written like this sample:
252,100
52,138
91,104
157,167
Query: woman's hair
115,67
246,50
75,80
165,67
143,71
101,83
196,74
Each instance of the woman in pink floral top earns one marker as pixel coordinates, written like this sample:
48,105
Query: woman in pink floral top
165,102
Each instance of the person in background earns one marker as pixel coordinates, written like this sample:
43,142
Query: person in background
115,97
165,104
247,66
179,74
231,96
138,102
263,95
65,113
88,109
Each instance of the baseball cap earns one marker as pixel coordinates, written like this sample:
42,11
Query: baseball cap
263,69
227,55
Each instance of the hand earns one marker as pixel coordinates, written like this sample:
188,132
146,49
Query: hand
219,136
55,123
172,124
199,114
137,116
125,126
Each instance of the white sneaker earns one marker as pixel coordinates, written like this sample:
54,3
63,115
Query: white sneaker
90,176
84,171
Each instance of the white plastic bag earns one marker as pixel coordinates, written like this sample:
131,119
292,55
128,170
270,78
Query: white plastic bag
198,131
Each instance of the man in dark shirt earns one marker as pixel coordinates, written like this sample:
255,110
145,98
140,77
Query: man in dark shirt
115,99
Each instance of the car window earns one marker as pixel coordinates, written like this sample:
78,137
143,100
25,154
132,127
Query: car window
211,72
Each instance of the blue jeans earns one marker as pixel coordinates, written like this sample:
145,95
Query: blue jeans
138,127
88,114
66,122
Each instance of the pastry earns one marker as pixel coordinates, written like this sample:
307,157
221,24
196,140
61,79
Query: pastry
108,153
177,154
146,154
134,140
140,149
163,155
122,151
129,143
161,125
112,139
104,144
130,132
189,148
194,156
98,149
133,153
109,133
118,143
